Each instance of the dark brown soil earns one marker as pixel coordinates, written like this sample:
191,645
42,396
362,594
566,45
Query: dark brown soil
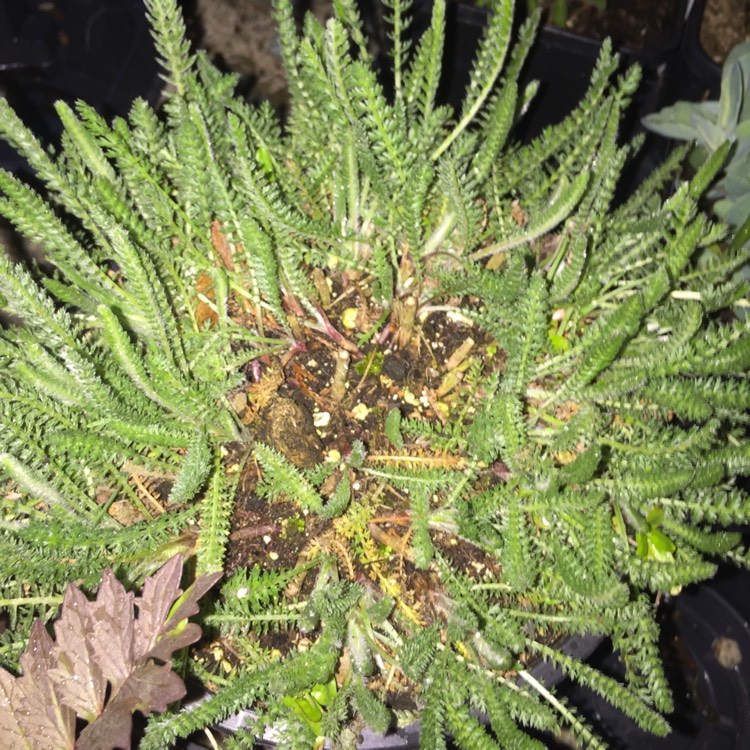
726,23
637,24
294,407
242,34
645,24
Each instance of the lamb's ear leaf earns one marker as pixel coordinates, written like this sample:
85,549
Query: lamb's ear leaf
675,121
731,96
743,233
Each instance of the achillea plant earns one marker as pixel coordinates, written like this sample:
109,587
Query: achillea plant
459,404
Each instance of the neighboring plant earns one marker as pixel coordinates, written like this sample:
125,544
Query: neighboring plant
559,10
708,125
105,663
530,403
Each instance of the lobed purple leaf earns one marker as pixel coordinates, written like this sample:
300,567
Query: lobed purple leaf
154,604
113,637
12,735
49,723
78,678
98,644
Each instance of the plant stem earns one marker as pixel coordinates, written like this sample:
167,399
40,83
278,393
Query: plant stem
406,313
31,601
338,386
564,711
321,287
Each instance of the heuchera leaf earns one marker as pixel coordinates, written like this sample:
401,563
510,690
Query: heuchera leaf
111,730
178,633
56,725
77,677
159,593
112,639
11,733
101,665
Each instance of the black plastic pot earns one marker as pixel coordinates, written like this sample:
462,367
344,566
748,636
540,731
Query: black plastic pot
563,62
99,51
706,649
693,76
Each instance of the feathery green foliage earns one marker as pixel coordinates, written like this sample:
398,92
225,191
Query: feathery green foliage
577,454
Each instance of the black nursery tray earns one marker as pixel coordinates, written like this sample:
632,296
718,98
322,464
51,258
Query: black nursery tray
694,76
561,60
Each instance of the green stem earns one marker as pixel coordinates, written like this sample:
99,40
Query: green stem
742,236
32,601
563,710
